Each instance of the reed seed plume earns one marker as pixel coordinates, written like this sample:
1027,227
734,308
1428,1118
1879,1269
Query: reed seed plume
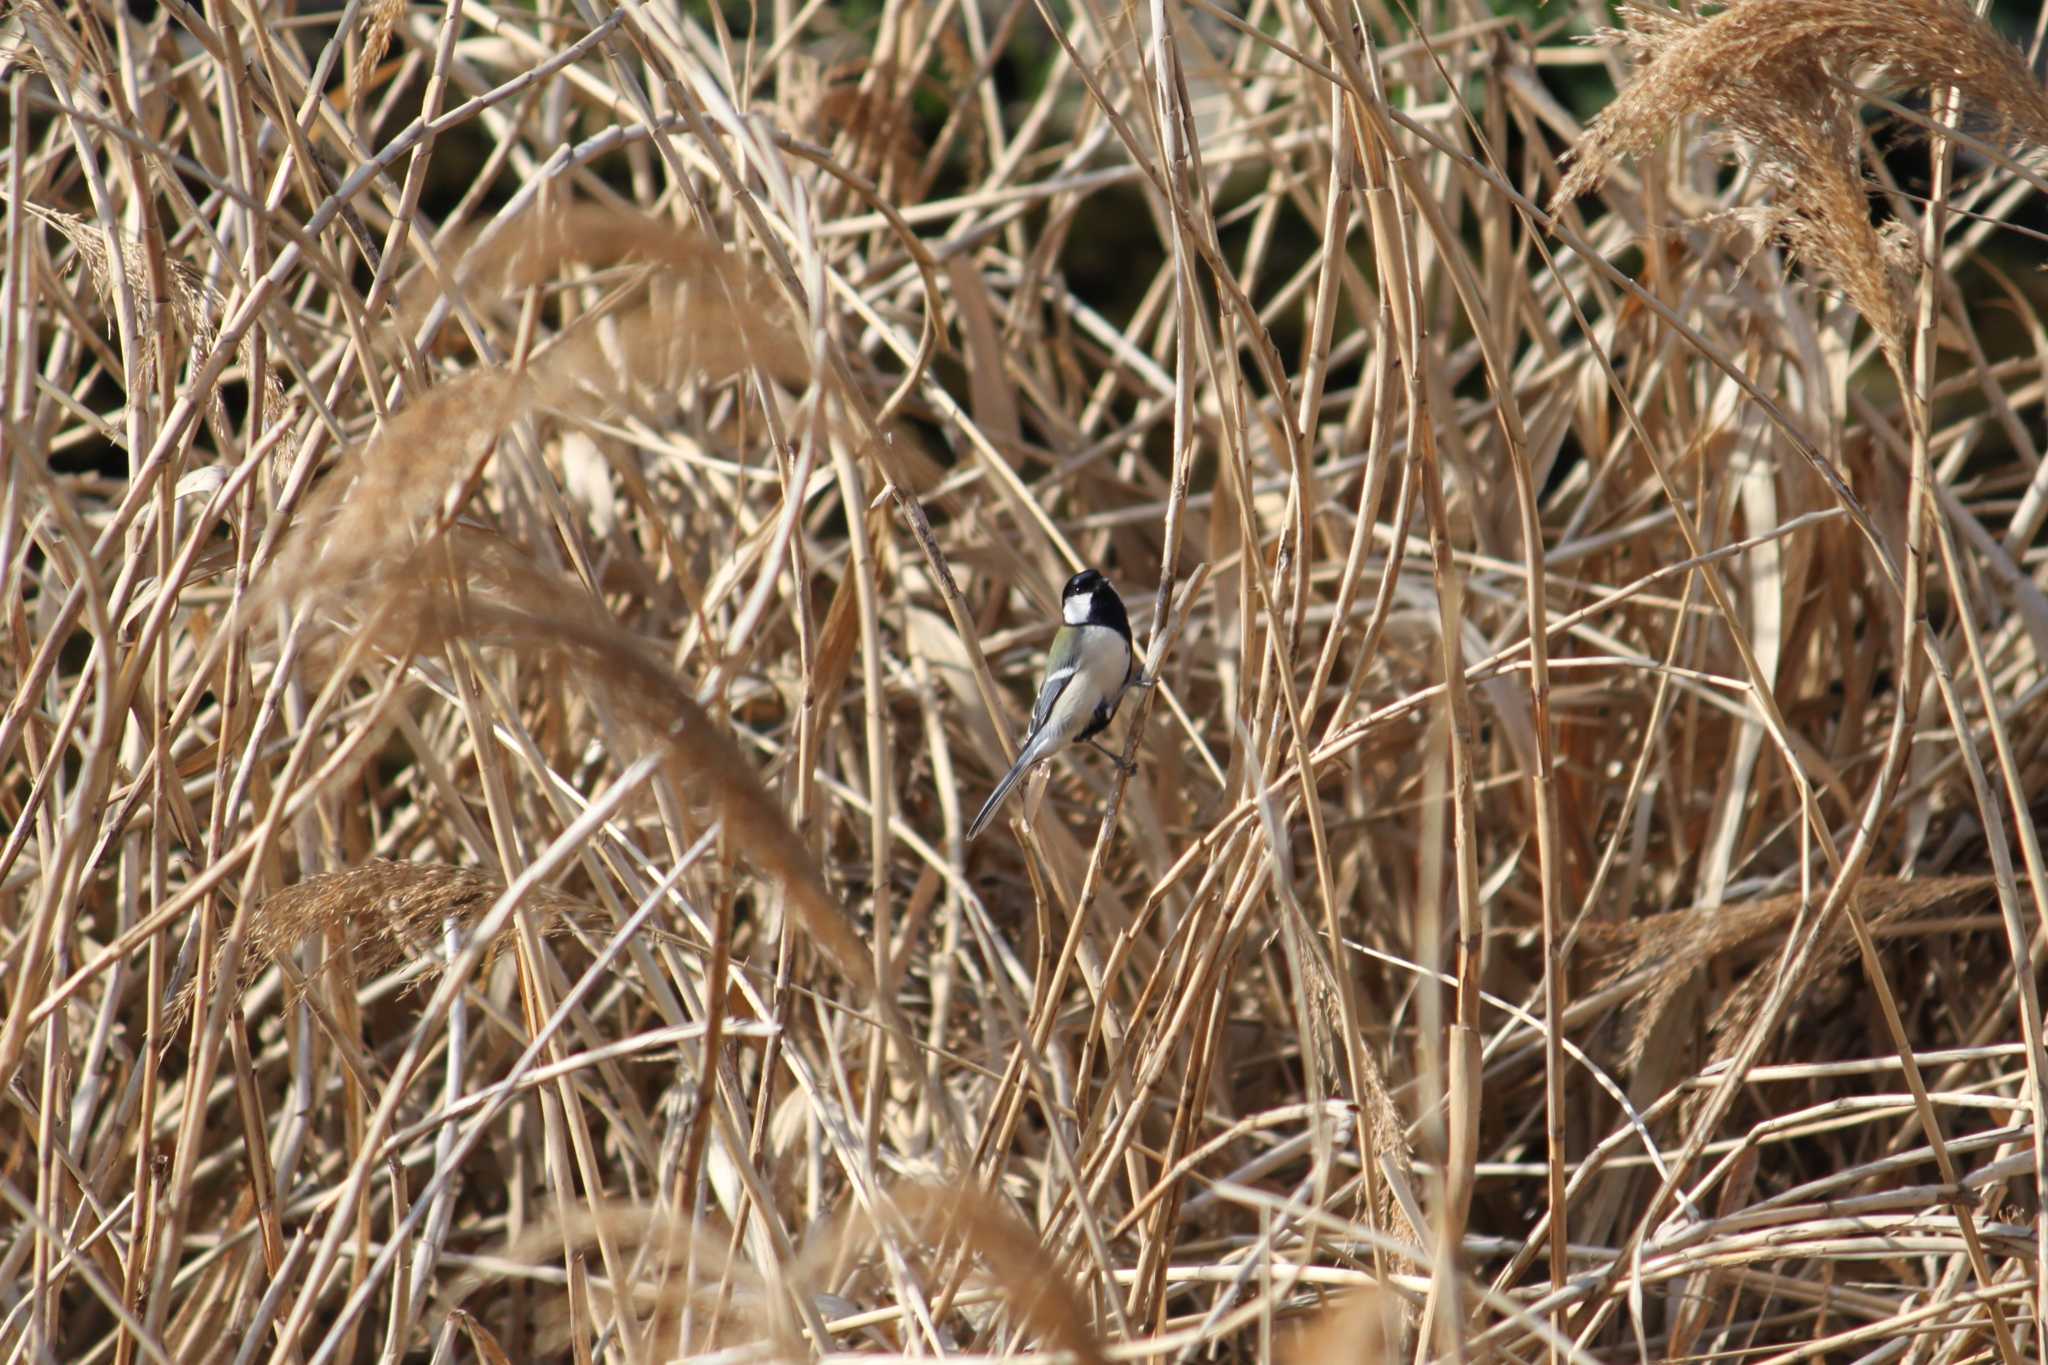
1778,76
388,912
942,1221
1738,65
693,308
384,499
381,19
190,307
474,588
180,316
1361,1328
681,1290
696,316
1669,952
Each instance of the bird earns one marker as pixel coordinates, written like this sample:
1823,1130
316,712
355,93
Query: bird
1087,670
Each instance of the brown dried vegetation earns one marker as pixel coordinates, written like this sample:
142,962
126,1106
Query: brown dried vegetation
520,542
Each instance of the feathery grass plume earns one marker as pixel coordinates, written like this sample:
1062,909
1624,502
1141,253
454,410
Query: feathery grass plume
1820,210
874,116
699,314
471,585
1886,903
366,520
674,310
1676,948
188,316
1364,1327
698,310
366,545
397,911
1387,1133
1736,66
1039,1293
192,303
680,1275
729,1303
378,25
1772,72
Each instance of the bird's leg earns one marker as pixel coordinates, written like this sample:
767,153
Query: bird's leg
1123,765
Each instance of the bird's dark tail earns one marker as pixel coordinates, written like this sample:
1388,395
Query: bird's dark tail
995,798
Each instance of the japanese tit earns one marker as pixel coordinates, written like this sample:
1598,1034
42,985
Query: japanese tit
1090,664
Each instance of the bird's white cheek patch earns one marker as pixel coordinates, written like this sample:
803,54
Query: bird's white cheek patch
1075,609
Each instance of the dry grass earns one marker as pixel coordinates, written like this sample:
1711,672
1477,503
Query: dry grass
525,529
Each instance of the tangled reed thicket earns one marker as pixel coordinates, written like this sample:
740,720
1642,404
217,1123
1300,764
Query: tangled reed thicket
526,529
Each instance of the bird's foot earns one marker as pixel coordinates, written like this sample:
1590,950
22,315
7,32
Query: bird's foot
1125,766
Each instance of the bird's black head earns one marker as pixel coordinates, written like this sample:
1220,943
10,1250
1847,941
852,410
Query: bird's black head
1088,600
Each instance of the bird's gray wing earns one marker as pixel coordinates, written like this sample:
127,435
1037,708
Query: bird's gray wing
1037,745
1048,693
